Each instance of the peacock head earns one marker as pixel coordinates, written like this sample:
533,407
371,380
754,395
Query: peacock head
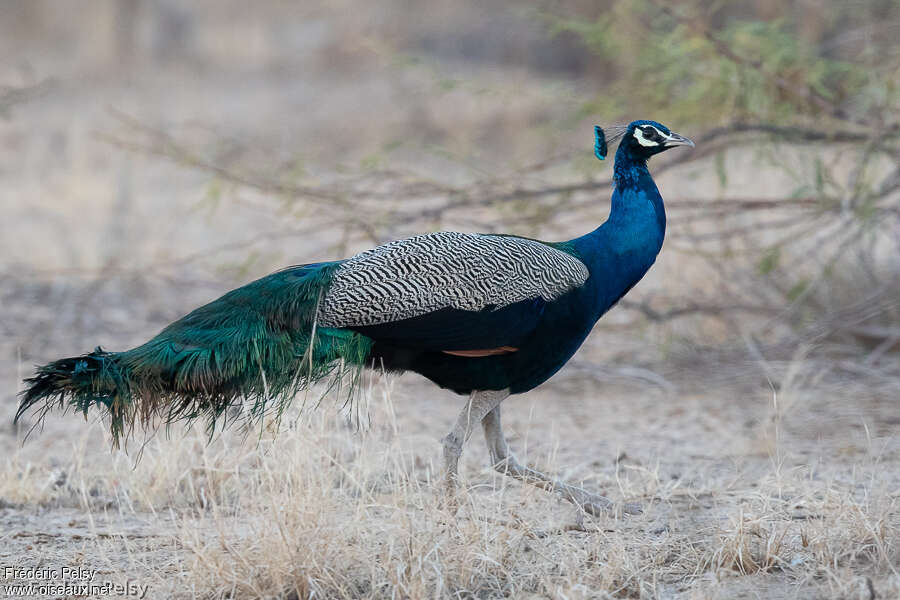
640,139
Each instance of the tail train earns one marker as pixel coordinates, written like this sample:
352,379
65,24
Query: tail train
257,343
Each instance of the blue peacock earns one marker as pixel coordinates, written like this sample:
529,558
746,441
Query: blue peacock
482,315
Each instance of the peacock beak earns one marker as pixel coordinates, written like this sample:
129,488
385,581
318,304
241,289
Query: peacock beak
678,140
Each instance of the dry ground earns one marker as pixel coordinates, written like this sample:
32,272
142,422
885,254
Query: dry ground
748,493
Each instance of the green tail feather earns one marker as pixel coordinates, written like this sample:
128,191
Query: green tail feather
257,345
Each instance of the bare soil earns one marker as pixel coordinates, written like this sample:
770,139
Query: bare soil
750,490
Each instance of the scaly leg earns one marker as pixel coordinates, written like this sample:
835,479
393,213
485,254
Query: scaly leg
480,403
506,463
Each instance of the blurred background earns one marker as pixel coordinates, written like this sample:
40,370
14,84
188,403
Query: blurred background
155,154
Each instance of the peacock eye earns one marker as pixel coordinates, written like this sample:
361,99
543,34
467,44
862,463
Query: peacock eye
649,133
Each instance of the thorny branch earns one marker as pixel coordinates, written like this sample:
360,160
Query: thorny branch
787,86
714,228
432,200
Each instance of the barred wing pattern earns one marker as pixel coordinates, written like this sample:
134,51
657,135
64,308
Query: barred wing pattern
426,273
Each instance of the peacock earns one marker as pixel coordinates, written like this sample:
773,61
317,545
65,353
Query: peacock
484,315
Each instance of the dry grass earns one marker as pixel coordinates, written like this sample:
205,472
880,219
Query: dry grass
324,510
748,492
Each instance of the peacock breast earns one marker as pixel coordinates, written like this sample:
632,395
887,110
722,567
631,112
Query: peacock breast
563,329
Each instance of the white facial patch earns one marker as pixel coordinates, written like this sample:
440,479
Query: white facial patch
639,135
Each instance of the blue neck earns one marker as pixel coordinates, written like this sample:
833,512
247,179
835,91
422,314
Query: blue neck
621,250
634,189
628,168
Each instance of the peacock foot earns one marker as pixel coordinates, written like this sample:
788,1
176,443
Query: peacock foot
593,504
596,505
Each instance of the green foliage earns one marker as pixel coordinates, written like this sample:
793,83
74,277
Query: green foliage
692,62
769,260
721,171
797,290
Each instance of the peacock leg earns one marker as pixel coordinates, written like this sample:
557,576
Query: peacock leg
506,463
480,403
